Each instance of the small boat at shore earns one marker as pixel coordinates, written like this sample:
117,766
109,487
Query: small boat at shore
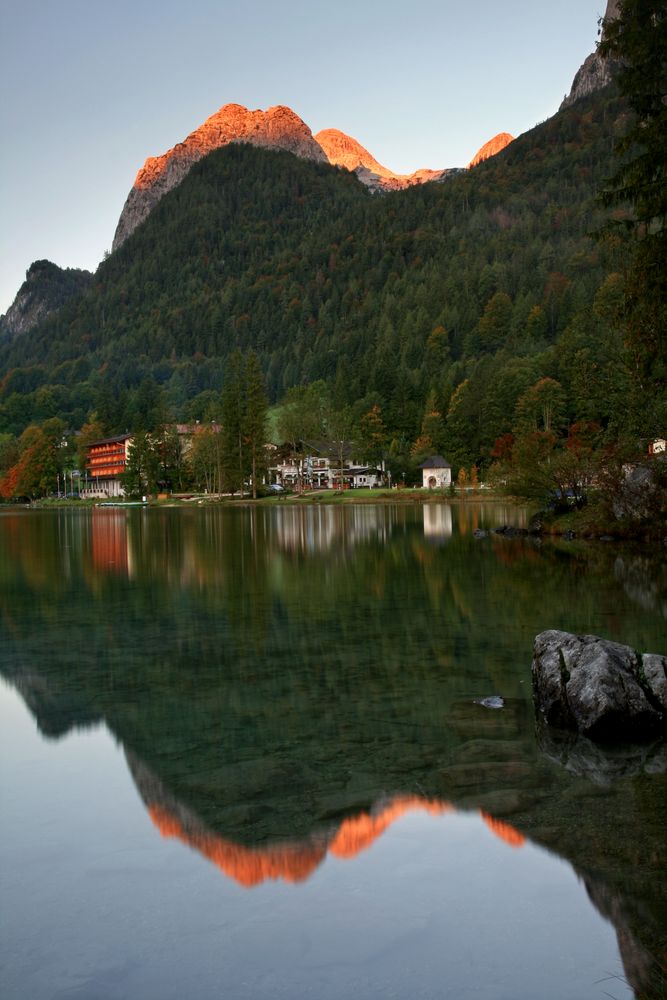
120,503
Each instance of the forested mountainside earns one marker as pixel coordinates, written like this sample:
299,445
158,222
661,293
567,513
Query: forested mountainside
46,288
450,298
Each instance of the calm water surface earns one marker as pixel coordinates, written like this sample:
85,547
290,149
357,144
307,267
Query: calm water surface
242,756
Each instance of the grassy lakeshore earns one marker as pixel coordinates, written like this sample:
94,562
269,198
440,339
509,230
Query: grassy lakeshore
375,496
337,497
407,495
591,522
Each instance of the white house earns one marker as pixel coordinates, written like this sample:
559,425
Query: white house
320,471
436,473
362,476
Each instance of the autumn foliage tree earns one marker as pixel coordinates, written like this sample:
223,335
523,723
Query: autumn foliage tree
35,473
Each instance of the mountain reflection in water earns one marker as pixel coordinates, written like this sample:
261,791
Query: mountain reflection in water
293,861
286,682
290,860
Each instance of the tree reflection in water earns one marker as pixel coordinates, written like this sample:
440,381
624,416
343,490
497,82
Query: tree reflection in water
314,671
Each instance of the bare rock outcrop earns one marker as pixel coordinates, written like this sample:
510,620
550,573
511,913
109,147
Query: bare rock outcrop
602,689
277,128
490,148
595,71
344,151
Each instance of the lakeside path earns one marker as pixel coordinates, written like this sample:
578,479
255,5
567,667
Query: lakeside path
337,497
308,498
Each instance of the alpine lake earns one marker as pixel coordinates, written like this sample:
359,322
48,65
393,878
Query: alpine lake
245,755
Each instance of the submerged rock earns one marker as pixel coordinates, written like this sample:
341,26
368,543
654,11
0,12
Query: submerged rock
493,701
602,689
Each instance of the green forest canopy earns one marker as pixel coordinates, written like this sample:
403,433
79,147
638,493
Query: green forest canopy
442,305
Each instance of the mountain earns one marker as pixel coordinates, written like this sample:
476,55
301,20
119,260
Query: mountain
471,290
277,128
343,151
595,72
491,148
46,288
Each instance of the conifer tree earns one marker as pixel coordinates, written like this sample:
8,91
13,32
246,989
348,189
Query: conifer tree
254,423
233,424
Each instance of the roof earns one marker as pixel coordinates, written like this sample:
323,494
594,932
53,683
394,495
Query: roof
435,462
112,440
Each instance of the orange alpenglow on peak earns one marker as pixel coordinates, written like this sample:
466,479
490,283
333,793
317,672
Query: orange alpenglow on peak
491,147
344,151
276,128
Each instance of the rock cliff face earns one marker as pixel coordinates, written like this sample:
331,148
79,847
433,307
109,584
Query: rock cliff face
595,72
277,128
491,147
46,288
344,151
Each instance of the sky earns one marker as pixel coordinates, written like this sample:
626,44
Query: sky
91,88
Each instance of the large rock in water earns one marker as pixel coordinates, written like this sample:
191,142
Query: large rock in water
602,689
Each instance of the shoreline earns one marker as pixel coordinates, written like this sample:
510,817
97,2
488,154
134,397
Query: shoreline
580,525
310,498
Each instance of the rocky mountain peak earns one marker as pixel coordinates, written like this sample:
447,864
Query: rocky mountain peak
595,72
491,147
46,288
276,128
343,151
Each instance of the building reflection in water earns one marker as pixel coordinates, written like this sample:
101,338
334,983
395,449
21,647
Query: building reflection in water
130,544
437,521
110,544
322,528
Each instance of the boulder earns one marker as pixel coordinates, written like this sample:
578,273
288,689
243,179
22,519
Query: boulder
602,689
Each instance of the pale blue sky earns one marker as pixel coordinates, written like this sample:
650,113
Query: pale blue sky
90,88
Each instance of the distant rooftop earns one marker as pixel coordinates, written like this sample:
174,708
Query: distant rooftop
435,462
112,440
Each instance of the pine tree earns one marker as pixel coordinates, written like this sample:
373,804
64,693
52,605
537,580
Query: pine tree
254,422
234,450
